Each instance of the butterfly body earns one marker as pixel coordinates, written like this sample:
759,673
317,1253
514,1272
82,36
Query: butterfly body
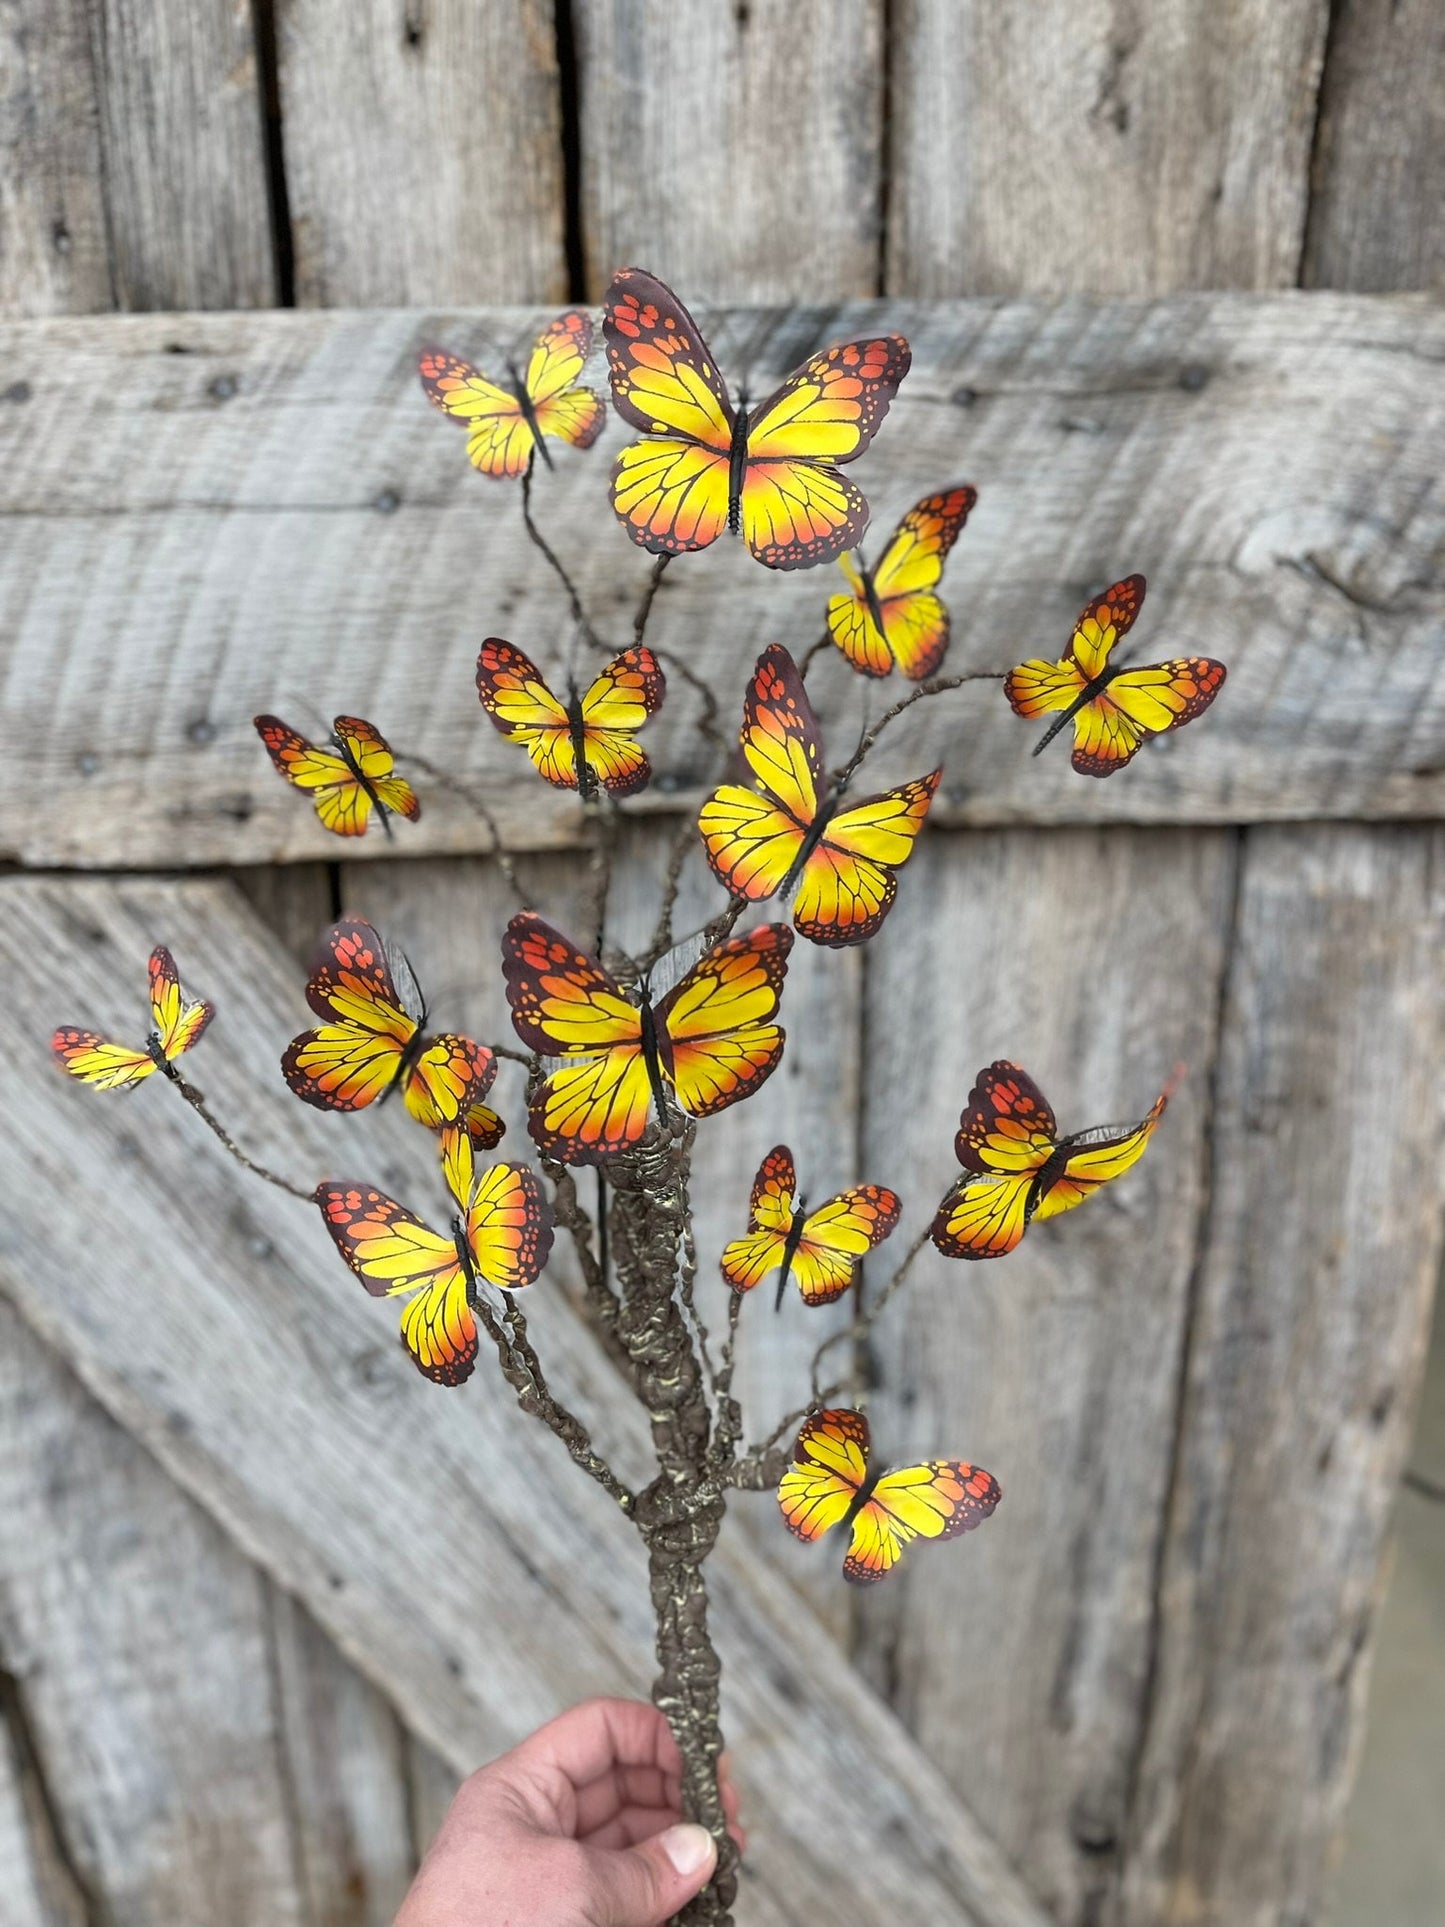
770,473
176,1027
790,1249
832,1482
707,1043
794,829
346,780
528,412
891,616
1018,1169
1115,708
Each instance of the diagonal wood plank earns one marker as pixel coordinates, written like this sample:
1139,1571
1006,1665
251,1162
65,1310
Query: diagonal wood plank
274,519
1022,1663
1321,1247
272,1391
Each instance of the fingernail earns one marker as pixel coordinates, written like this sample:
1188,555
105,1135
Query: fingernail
689,1848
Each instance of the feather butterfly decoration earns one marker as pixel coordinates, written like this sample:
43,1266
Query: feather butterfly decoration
1017,1168
820,1249
769,474
708,1043
176,1026
508,424
347,781
892,614
1114,711
795,828
590,739
501,1235
830,1482
371,1040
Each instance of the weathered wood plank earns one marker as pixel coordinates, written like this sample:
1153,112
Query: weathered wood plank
351,1491
36,1886
1103,148
1322,1239
137,1638
423,151
1022,1661
433,1786
275,519
53,244
734,150
1379,170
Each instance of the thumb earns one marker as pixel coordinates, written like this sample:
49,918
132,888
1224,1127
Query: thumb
644,1886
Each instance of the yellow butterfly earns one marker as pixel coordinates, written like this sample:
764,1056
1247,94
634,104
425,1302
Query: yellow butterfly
891,613
347,782
508,424
175,1027
818,1249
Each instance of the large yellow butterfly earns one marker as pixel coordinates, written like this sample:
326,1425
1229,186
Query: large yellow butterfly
709,1042
508,424
1016,1167
769,474
891,613
501,1236
830,1483
372,1039
818,1249
1114,711
759,841
175,1027
347,782
589,739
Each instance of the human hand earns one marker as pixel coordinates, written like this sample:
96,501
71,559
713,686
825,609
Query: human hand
579,1826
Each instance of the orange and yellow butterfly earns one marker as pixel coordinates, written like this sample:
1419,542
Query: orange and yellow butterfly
843,860
175,1027
346,782
508,424
709,1042
819,1249
589,739
501,1236
1114,711
770,473
830,1483
890,613
1016,1167
372,1039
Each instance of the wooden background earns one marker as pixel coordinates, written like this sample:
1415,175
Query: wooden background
263,1593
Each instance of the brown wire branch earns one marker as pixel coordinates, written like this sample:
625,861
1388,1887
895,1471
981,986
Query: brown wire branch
860,1327
649,596
500,854
761,1467
554,561
198,1104
938,686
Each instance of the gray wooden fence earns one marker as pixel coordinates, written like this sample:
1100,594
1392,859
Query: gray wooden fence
244,1645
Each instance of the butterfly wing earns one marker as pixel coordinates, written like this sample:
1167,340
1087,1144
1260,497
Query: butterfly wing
749,1259
837,1235
796,508
915,621
176,1023
395,1255
851,625
371,753
628,691
96,1060
746,1261
849,882
524,710
452,1071
1097,1157
1103,622
752,840
355,1057
341,802
716,1039
670,491
984,1216
564,1004
484,1127
572,414
1036,687
1007,1125
509,1226
499,437
1140,703
830,1464
936,1500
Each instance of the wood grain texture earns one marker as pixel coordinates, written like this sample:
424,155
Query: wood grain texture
1321,1246
1100,148
351,1491
1379,165
1020,1657
275,519
38,1888
53,244
432,1784
137,1638
182,159
423,150
736,151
